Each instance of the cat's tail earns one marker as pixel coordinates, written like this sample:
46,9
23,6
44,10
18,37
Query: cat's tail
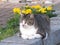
44,37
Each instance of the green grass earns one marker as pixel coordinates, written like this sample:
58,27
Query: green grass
7,33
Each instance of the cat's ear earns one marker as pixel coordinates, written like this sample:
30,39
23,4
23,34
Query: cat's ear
21,14
31,16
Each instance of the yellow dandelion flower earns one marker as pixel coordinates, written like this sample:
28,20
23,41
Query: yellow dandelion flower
23,11
43,10
49,8
36,6
17,10
27,11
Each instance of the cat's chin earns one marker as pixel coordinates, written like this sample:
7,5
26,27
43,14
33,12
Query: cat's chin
31,36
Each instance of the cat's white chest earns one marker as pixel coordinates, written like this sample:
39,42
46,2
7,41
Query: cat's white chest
28,32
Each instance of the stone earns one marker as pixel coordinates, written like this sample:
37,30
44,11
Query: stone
15,40
54,37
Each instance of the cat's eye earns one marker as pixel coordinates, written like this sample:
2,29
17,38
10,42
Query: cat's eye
30,22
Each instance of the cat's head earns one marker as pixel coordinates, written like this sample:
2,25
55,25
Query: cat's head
27,19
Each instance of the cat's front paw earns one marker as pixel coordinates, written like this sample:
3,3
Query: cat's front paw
35,36
24,36
38,36
31,37
28,37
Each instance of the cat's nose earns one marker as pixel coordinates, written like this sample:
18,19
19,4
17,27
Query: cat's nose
23,25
